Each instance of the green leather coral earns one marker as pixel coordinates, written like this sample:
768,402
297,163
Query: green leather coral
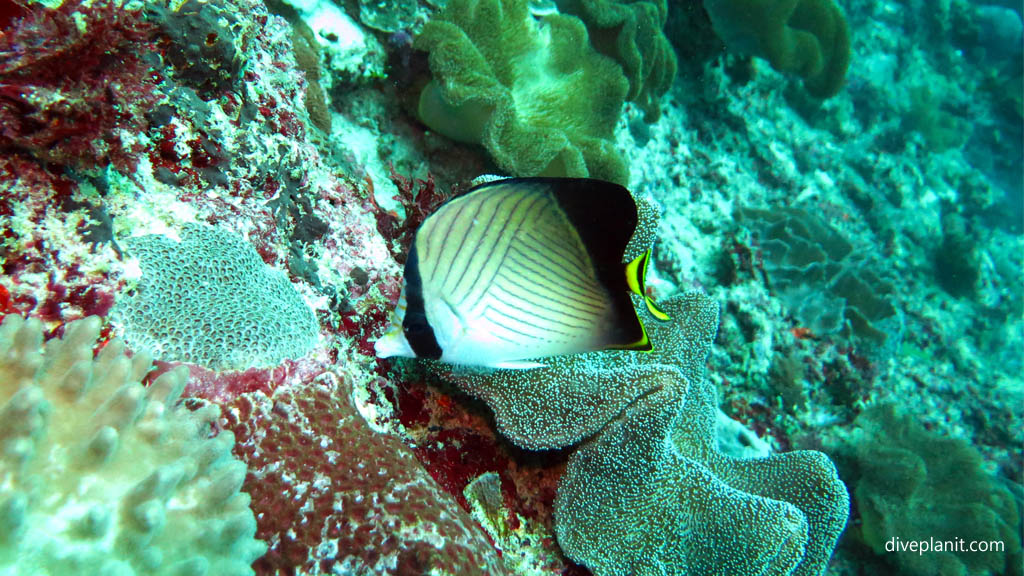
630,32
652,496
809,38
530,90
913,484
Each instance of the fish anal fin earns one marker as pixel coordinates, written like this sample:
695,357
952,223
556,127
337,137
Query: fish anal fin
517,365
643,344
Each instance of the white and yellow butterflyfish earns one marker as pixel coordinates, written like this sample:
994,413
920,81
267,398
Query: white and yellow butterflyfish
520,269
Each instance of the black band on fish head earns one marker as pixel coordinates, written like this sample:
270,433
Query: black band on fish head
418,331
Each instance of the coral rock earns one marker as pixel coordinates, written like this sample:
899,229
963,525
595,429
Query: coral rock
73,83
334,496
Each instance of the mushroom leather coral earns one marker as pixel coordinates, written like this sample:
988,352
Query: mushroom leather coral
648,492
809,38
630,32
652,495
532,91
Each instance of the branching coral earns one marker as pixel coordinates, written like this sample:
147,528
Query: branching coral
210,300
532,91
809,38
101,475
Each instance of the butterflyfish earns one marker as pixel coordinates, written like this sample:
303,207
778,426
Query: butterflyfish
520,269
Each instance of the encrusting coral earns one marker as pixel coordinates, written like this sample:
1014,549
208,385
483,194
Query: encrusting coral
210,300
809,38
533,91
337,497
102,475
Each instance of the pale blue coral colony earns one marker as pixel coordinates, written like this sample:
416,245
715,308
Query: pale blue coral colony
835,195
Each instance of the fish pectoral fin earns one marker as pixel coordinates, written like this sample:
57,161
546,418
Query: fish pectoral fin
454,319
517,365
393,343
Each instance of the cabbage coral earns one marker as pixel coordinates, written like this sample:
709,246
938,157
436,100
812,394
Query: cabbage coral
532,91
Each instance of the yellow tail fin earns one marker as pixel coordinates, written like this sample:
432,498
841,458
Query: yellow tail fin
636,275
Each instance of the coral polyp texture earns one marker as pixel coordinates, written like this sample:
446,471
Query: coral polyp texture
652,494
337,497
102,475
648,492
210,300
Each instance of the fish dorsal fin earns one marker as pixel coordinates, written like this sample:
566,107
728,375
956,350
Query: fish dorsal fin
605,217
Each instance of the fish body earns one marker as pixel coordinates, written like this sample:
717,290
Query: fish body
520,269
